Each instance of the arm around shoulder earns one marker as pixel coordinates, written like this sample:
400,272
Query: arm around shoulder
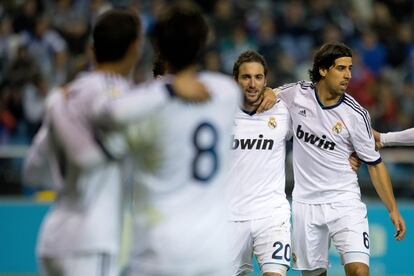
398,138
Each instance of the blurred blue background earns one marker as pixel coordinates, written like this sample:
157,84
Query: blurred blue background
20,222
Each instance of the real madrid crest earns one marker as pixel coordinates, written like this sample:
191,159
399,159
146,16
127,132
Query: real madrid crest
272,122
337,128
115,92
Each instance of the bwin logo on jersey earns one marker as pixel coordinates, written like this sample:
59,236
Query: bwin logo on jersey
314,140
256,144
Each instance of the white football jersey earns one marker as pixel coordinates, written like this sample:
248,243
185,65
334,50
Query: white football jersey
256,180
324,138
182,155
86,214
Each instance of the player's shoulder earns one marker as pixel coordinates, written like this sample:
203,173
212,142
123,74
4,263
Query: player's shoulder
290,91
354,109
98,84
220,85
207,75
302,86
54,96
85,83
217,79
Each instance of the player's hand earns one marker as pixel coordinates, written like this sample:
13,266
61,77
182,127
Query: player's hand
399,224
266,101
189,88
377,137
354,161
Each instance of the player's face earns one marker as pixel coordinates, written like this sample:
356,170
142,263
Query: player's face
252,80
338,76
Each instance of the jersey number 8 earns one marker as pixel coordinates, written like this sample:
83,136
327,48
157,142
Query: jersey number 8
205,161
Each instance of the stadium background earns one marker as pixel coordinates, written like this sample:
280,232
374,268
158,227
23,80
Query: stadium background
44,43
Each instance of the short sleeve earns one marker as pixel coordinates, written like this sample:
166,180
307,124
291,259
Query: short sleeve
363,138
287,93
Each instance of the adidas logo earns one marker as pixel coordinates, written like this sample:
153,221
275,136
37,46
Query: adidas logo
302,112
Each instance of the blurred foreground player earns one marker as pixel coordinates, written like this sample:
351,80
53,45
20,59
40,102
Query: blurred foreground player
181,153
81,233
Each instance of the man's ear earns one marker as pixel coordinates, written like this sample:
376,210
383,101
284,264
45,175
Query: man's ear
323,72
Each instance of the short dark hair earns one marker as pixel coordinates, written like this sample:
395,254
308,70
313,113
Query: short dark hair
113,33
248,56
180,34
158,66
325,57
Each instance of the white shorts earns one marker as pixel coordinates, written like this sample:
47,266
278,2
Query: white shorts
267,238
315,225
97,264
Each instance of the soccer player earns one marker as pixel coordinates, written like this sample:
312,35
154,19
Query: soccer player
182,154
259,212
80,235
328,125
397,138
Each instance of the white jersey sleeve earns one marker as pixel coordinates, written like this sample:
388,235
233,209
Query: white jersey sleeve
36,165
398,138
361,134
36,171
286,93
76,140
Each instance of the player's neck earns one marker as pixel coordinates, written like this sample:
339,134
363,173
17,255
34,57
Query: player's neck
325,95
114,68
189,70
249,107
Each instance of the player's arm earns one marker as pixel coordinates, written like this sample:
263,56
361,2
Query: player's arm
131,106
80,146
267,100
398,138
146,98
382,183
362,138
76,138
36,170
